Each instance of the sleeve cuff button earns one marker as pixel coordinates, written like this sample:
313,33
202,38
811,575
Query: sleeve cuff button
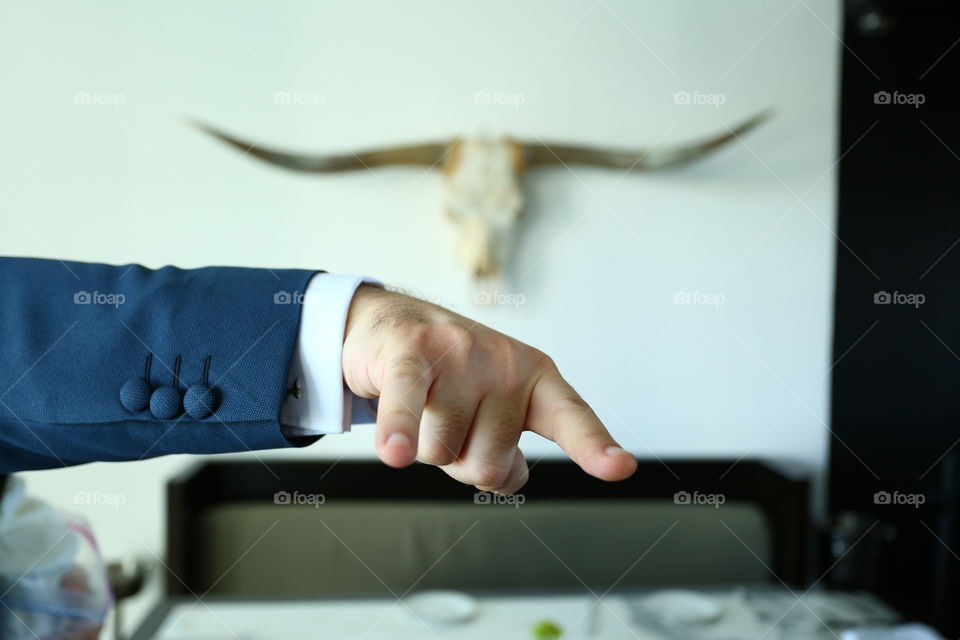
200,401
135,394
165,403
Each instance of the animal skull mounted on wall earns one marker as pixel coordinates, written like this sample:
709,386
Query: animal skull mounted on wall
482,175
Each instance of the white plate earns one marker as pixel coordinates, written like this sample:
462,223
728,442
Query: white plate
684,607
443,607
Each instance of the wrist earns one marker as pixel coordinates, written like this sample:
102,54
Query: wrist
362,307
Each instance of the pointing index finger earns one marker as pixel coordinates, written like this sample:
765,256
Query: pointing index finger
558,413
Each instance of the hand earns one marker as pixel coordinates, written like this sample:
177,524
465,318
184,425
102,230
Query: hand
456,394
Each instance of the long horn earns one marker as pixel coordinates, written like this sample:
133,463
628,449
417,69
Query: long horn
539,154
421,155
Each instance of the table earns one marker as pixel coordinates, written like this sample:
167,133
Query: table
747,613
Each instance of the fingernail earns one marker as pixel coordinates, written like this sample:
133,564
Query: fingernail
398,439
614,450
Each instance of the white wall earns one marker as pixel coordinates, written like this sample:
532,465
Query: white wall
603,255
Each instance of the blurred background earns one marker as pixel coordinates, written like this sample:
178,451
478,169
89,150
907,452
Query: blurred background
105,169
693,307
602,254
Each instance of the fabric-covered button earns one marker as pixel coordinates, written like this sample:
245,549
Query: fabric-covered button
135,394
200,401
165,403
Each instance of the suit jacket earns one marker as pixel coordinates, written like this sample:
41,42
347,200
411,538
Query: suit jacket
103,362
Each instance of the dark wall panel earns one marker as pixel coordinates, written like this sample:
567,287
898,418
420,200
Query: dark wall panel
896,385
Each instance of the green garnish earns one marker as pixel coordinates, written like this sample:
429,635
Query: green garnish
546,630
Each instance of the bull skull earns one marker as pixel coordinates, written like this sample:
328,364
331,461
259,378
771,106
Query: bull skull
482,176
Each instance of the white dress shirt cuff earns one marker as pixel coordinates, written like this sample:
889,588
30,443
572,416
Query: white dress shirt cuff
325,404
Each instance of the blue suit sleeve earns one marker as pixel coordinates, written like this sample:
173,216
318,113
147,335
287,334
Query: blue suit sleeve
103,362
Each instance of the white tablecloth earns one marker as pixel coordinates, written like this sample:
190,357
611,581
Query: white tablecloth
499,618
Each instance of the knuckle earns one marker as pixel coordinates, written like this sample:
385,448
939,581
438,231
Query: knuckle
458,338
501,344
399,416
514,486
453,422
417,337
407,363
512,363
573,404
442,440
437,453
491,474
543,361
513,380
575,414
505,436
